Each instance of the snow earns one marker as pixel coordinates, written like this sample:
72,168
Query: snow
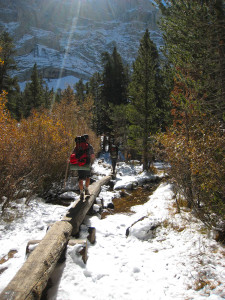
62,83
153,253
55,84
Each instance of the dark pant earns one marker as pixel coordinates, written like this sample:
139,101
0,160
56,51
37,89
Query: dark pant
83,174
114,160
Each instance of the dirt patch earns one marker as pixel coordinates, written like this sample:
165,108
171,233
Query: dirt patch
138,196
6,258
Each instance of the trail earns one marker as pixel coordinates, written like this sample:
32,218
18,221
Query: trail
173,261
179,259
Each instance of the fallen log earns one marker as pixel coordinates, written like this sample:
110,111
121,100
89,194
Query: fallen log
30,281
31,245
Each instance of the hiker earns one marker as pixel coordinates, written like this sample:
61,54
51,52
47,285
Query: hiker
113,150
89,156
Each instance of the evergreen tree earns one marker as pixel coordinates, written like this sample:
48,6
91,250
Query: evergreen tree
115,78
68,95
119,80
195,46
119,125
143,109
7,82
164,86
95,89
34,94
113,87
80,90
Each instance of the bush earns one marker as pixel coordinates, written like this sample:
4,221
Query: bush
34,152
198,168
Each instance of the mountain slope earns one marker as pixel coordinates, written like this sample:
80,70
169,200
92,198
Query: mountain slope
67,37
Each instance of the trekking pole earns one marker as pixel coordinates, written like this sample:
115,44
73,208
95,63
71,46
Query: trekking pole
67,168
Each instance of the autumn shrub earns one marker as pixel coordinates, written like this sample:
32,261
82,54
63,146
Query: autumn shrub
35,152
198,168
8,132
46,144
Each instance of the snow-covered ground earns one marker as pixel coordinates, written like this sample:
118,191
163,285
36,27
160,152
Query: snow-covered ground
165,255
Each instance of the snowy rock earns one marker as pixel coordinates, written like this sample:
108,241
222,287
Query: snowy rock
110,205
146,177
96,208
143,229
68,196
126,182
22,193
75,253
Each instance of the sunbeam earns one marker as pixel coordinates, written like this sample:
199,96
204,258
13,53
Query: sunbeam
72,29
110,8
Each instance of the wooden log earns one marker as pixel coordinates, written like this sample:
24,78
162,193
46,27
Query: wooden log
32,278
31,245
92,233
78,211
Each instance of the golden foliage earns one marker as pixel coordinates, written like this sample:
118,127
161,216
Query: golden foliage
195,148
34,152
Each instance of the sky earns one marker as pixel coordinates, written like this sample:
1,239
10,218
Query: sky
165,256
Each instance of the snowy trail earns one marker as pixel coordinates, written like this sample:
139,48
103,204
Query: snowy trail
177,260
141,267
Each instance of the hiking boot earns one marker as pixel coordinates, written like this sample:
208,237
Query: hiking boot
87,191
81,195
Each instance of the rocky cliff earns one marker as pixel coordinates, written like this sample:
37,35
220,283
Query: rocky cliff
67,37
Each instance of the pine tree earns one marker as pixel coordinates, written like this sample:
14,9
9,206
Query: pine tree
119,79
113,87
80,90
95,89
195,46
195,43
115,78
119,125
34,93
68,95
164,86
7,82
143,109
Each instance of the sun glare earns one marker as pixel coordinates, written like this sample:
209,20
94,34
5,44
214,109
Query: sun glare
73,26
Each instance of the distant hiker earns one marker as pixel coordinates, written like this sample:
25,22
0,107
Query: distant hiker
113,150
85,156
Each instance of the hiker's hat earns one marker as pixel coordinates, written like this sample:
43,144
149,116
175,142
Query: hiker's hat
83,139
77,139
86,136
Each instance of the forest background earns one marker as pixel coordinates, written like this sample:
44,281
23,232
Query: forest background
168,105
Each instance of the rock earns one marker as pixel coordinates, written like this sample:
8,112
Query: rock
123,193
144,228
68,196
37,39
110,205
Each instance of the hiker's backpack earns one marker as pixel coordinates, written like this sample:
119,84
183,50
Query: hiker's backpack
80,155
113,151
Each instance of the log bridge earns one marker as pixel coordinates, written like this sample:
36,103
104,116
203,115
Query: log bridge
31,279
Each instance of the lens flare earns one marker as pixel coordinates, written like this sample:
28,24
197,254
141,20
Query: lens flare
72,29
